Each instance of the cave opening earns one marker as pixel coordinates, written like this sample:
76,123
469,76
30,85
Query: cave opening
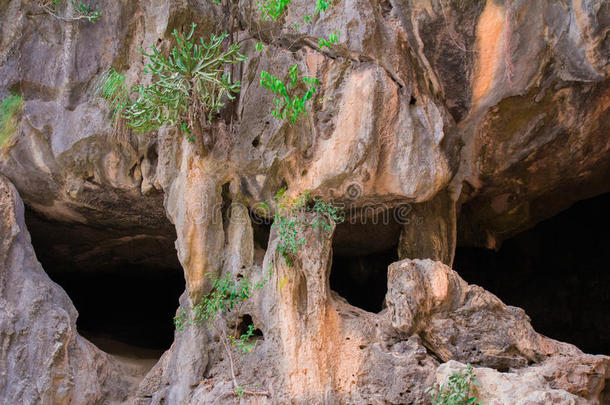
125,287
363,248
558,271
126,306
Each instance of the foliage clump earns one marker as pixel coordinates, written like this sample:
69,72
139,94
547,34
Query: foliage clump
273,9
460,389
293,92
9,107
191,82
80,10
291,222
333,38
227,294
113,89
292,96
186,86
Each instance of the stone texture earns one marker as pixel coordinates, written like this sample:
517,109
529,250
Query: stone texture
542,384
535,148
43,359
483,117
429,231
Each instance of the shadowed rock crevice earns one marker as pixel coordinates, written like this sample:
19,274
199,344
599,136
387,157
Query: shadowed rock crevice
362,279
362,253
67,247
261,228
556,271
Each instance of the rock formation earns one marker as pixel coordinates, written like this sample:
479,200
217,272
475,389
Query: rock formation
462,122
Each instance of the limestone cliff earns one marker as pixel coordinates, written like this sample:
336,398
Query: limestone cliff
466,122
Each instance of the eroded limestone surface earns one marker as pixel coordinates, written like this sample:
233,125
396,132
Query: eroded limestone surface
471,120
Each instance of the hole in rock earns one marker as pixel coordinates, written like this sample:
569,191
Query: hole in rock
363,248
245,323
125,288
558,272
261,228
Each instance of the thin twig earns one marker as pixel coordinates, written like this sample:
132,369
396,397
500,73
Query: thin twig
228,350
235,384
48,10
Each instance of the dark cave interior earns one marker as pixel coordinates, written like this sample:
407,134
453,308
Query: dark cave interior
363,248
126,296
558,272
131,305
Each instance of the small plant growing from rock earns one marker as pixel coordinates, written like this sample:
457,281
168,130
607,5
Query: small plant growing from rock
333,38
290,102
188,87
289,219
292,93
9,107
80,10
227,294
460,389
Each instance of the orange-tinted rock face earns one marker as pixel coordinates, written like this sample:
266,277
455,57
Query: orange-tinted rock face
489,46
466,122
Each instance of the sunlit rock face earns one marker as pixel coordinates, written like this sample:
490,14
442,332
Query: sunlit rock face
437,124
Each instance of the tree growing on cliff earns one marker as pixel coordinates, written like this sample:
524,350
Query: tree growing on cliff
188,87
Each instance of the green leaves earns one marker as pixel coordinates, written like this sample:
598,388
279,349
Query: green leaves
87,11
292,96
322,5
289,220
111,87
272,9
332,39
191,76
242,342
325,213
9,107
81,11
226,293
192,71
460,389
290,242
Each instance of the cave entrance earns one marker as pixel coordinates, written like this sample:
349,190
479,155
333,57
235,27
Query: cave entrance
125,309
363,248
558,272
125,287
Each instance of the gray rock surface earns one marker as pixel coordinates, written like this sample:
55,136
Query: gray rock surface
482,117
43,359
